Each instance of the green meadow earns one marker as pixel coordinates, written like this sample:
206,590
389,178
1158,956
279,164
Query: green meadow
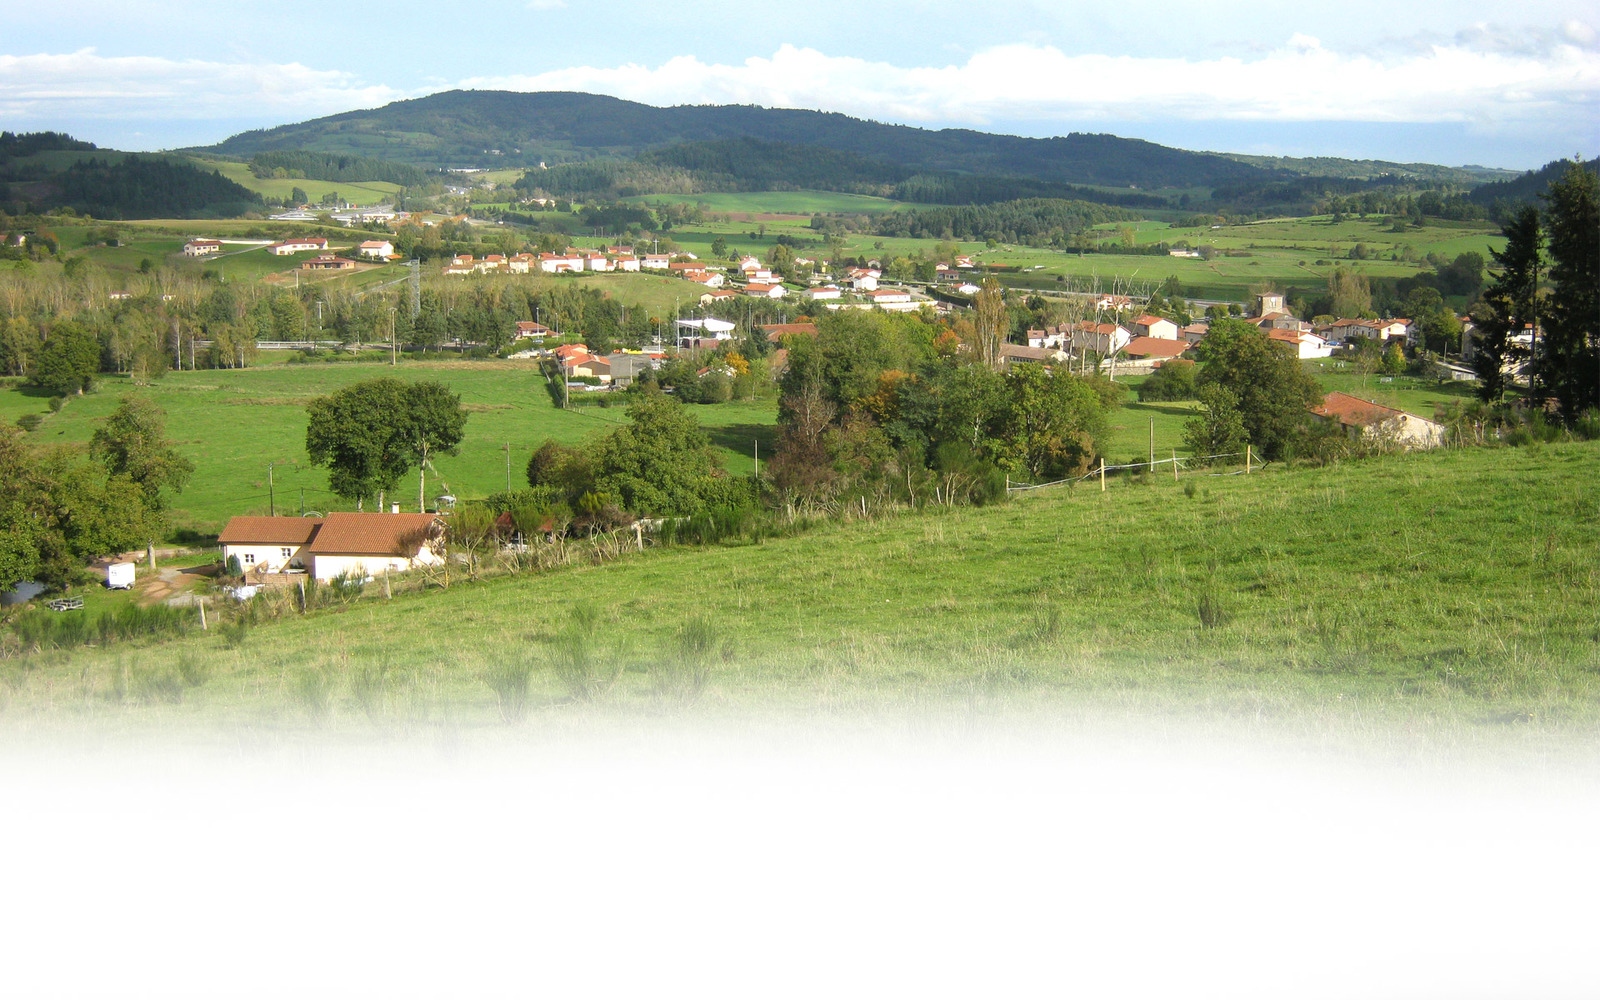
234,423
1446,600
361,193
777,202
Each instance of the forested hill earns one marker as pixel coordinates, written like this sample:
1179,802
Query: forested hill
498,128
1502,196
41,171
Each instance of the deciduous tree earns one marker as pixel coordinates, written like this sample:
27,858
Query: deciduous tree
1273,393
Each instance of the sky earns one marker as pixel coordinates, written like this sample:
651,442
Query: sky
1460,82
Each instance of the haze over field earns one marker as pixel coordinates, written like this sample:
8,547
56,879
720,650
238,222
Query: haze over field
1445,83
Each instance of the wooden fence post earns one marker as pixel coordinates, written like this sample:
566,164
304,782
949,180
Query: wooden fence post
202,604
1247,458
1174,465
1102,473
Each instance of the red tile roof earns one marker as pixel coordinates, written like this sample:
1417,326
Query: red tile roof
1354,412
372,534
1155,347
269,530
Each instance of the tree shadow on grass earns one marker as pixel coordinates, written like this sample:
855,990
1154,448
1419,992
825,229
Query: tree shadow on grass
739,438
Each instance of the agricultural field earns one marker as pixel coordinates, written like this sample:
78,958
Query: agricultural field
756,203
1278,253
361,193
1365,603
232,424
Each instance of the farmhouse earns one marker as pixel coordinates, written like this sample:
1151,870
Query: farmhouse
268,544
1013,354
1155,326
1150,352
327,262
1102,338
358,544
1306,345
552,264
759,291
199,248
363,545
823,292
1364,419
376,248
301,245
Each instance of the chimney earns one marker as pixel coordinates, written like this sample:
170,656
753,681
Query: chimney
394,508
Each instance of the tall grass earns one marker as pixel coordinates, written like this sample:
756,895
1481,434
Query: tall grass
40,629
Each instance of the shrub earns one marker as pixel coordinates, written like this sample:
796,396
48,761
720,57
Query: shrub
509,679
1210,608
684,675
1173,381
157,684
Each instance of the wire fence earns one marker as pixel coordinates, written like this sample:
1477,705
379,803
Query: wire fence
1179,464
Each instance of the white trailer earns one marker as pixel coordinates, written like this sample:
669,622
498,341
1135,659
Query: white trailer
119,576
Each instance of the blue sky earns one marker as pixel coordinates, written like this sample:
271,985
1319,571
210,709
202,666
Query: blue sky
1460,82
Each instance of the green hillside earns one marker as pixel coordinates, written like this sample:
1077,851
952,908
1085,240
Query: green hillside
1449,598
498,128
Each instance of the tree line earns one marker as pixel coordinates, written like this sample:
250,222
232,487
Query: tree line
303,164
1549,284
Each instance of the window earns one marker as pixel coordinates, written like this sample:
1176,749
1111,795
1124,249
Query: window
249,558
287,552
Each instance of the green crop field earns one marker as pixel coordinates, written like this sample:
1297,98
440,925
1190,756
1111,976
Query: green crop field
777,202
364,192
1447,600
1277,253
233,423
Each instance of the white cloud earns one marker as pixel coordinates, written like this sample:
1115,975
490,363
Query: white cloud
1485,79
1467,80
86,85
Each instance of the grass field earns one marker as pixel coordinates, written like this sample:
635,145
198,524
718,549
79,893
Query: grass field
1450,598
1280,253
260,412
361,193
777,202
233,423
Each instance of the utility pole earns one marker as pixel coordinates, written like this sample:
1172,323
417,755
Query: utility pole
508,466
394,346
272,503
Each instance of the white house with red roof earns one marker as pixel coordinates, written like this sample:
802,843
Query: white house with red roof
1152,352
1372,421
1306,345
551,263
352,544
757,290
376,248
301,245
201,248
1154,326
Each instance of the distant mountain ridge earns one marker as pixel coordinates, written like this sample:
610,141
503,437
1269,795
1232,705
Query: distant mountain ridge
501,128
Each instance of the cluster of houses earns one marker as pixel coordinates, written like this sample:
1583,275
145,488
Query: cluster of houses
1148,341
326,260
857,288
